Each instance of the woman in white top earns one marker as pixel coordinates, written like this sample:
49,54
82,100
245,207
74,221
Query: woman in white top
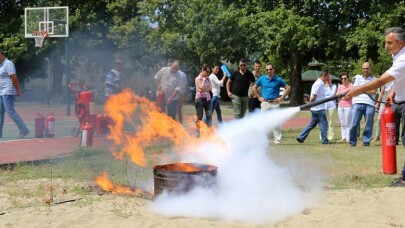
216,92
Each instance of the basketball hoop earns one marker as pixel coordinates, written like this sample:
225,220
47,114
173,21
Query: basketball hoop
40,37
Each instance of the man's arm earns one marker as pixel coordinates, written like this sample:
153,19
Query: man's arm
286,92
256,93
370,86
228,87
14,79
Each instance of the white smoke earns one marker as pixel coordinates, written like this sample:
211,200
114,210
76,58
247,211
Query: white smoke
250,186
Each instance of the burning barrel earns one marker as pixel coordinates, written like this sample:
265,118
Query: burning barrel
180,178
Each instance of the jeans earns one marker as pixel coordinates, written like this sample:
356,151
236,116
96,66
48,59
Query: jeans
359,110
239,106
215,106
201,105
317,118
172,109
345,117
7,105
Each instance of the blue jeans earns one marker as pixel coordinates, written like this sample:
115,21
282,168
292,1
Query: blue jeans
7,105
215,106
359,110
317,118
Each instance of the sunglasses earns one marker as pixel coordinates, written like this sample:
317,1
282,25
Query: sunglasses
344,78
242,65
267,70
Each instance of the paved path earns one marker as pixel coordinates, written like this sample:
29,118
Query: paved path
36,149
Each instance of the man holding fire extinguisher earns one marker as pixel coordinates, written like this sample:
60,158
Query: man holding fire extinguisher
9,89
394,43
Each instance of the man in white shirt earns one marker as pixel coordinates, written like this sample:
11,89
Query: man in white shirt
363,105
394,43
318,114
9,89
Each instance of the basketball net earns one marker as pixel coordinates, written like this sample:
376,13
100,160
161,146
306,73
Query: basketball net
40,39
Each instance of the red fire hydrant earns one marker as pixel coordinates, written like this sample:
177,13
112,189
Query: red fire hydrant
388,141
50,126
87,135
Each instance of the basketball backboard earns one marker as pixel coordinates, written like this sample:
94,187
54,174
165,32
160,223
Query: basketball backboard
51,20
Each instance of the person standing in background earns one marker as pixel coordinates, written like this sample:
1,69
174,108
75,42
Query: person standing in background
318,114
345,107
237,88
363,105
168,82
379,107
9,90
254,103
271,99
330,106
216,91
203,97
112,82
182,95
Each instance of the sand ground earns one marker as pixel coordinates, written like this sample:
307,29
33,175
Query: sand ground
336,208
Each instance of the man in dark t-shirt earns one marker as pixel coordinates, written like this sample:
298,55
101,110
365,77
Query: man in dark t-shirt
237,88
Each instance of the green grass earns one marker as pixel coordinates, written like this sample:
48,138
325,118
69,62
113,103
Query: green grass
344,167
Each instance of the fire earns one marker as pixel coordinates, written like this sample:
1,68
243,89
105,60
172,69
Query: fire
186,167
150,126
104,183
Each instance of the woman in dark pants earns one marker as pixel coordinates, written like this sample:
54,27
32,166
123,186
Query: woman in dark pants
203,97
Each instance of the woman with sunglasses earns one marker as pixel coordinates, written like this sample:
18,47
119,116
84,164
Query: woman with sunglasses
345,107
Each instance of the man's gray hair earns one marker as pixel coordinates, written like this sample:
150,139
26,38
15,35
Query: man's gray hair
400,32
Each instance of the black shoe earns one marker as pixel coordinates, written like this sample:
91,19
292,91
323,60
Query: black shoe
352,145
22,135
398,182
300,140
326,143
366,144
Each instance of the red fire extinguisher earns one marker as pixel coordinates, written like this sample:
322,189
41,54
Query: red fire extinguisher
39,126
388,141
50,126
87,135
160,101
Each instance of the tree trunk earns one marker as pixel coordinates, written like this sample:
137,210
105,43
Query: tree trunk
297,92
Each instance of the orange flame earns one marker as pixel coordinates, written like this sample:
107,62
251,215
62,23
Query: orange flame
104,183
150,126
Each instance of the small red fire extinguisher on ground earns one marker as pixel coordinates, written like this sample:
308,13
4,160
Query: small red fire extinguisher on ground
87,135
39,126
50,126
388,141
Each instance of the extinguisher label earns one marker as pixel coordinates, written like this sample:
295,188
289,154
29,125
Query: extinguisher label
391,141
92,108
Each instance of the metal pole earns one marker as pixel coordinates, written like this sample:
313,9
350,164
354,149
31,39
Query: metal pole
67,77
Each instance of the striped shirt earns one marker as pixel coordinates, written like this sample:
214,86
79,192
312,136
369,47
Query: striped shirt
112,82
7,69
